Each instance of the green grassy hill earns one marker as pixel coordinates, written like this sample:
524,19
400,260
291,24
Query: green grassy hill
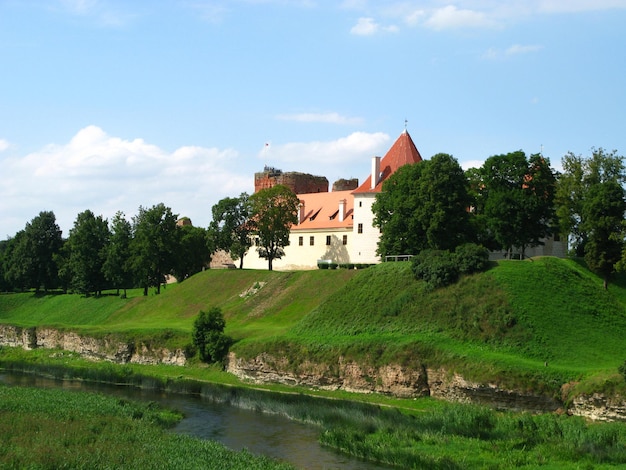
536,323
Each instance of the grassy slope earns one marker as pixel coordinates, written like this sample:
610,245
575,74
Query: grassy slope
505,323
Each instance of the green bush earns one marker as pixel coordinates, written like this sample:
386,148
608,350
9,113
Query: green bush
332,266
471,258
437,268
622,370
208,336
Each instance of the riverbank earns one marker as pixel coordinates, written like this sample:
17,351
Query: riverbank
50,429
422,433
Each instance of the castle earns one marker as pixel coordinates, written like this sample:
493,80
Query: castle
334,225
337,225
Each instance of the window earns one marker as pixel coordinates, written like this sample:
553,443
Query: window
345,239
360,228
300,241
311,241
327,240
360,203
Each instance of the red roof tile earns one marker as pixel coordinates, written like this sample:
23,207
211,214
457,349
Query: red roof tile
402,152
321,210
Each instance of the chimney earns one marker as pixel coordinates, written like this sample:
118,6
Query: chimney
375,171
301,211
342,210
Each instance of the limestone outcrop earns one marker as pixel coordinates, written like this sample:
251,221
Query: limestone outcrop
107,348
403,381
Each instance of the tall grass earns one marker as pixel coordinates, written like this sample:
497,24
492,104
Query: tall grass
415,434
50,429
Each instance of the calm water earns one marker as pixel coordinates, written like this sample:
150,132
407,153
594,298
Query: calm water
260,433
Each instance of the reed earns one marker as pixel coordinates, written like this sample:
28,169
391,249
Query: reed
50,429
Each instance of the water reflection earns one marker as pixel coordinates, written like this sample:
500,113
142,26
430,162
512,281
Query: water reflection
236,428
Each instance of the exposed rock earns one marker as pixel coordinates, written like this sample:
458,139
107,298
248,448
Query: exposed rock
107,348
599,407
454,387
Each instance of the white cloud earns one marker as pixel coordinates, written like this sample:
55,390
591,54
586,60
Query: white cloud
520,49
450,17
516,49
575,6
327,118
330,158
105,174
4,144
369,27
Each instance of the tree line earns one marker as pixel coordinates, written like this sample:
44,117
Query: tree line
142,252
511,202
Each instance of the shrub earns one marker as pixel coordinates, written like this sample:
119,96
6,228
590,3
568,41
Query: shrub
437,268
208,336
471,258
332,266
622,370
322,265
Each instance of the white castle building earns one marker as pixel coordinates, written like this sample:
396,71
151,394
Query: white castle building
337,226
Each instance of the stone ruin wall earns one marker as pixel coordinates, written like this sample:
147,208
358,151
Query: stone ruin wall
299,183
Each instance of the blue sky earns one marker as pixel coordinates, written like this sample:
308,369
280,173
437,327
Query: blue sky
109,104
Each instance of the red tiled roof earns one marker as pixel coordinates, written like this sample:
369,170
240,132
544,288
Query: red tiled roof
321,210
402,152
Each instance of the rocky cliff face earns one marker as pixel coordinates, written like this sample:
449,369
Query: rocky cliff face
107,348
395,380
415,381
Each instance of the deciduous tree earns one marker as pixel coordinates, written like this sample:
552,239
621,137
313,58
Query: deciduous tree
231,227
86,253
423,206
578,176
603,214
193,253
274,211
154,245
518,197
117,264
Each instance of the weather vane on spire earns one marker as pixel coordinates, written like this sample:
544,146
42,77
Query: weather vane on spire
405,123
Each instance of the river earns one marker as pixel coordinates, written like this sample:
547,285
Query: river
236,428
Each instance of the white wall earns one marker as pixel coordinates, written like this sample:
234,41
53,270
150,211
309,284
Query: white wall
363,250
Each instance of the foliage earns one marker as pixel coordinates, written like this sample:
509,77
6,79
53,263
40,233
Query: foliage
231,227
193,253
437,268
603,214
85,253
517,199
154,245
579,175
471,258
117,264
66,429
274,211
423,205
31,254
208,336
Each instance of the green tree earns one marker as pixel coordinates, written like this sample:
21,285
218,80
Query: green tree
274,211
231,227
518,199
208,336
578,176
423,206
154,246
86,248
33,254
117,263
603,215
193,254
